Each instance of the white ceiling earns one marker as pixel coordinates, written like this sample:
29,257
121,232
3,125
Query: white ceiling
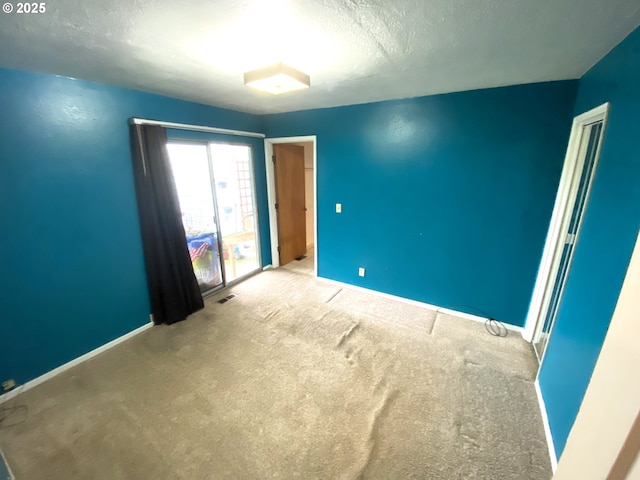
356,51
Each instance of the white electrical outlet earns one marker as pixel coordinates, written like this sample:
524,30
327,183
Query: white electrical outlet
361,271
338,208
8,385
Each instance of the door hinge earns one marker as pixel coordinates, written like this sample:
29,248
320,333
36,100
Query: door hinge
278,248
571,239
273,158
276,206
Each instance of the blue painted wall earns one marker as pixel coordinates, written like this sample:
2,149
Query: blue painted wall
446,199
72,272
606,242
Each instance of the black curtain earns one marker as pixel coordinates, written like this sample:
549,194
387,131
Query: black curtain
173,288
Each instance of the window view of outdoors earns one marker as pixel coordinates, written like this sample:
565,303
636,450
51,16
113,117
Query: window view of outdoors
227,195
234,193
190,165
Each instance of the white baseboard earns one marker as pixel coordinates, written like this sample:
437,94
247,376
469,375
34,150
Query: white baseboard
416,303
267,267
547,430
76,361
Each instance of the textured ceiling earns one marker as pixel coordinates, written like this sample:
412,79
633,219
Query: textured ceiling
356,51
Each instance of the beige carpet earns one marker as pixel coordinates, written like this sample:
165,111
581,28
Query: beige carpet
294,378
305,265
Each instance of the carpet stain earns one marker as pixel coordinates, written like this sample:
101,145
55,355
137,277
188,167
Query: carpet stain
347,334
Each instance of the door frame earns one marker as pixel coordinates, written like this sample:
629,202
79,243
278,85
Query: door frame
271,195
559,225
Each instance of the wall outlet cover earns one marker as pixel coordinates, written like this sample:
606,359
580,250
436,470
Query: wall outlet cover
361,271
8,385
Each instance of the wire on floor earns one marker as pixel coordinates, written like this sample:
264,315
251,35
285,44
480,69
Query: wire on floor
495,328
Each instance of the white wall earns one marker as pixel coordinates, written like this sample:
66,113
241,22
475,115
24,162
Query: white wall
308,190
612,400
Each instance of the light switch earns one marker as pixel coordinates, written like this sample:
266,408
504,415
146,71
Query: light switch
361,271
338,208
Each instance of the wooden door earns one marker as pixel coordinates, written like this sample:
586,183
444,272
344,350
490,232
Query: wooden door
289,172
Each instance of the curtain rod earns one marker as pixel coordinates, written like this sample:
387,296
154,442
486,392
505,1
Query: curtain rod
197,128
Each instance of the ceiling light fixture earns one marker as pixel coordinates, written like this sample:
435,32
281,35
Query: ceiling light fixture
277,79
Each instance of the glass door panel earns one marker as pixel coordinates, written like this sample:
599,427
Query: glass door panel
232,172
592,137
190,165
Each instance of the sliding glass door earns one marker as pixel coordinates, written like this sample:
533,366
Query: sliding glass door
192,175
217,198
235,193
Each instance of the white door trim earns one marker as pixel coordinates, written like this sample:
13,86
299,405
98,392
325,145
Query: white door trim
559,223
271,195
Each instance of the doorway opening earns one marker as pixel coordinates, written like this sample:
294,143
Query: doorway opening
215,187
291,186
578,172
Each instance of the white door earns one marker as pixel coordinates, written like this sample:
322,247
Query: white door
575,185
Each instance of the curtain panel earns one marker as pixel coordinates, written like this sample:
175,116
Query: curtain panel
173,289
